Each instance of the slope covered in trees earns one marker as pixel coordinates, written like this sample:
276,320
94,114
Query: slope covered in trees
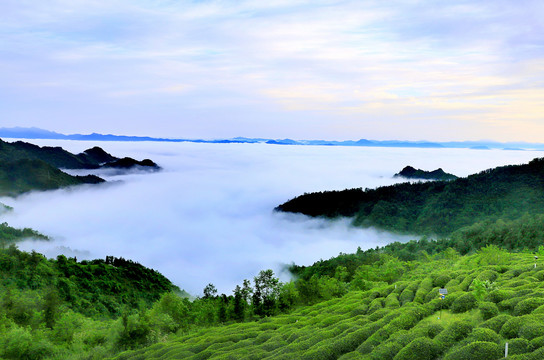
436,207
411,173
20,176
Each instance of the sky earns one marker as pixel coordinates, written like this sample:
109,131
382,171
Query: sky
208,215
319,69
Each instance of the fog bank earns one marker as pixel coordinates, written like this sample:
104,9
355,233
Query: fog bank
208,216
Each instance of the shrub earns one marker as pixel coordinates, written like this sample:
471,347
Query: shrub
455,332
387,350
536,343
511,328
392,301
518,346
510,304
496,322
478,350
488,310
464,303
441,280
433,330
424,287
406,296
450,298
419,349
497,296
375,305
487,275
483,334
528,305
531,328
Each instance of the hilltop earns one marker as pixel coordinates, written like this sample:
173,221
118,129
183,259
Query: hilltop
434,207
92,158
412,173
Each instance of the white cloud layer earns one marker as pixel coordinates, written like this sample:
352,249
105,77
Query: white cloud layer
299,69
208,216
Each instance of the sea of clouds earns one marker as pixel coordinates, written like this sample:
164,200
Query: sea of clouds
208,216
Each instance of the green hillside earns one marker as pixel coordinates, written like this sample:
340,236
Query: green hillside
493,297
437,207
54,156
411,173
389,309
20,176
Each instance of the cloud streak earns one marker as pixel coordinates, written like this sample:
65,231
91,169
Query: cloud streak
207,217
322,69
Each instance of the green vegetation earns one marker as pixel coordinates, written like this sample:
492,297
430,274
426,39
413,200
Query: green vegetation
373,324
54,156
380,303
63,308
9,235
17,177
115,308
412,173
57,157
468,205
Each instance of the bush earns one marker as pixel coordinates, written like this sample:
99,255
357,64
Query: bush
488,310
510,304
433,330
511,328
487,275
455,332
406,296
387,350
536,343
441,280
527,306
497,296
483,334
392,301
425,286
478,350
419,349
518,346
464,303
496,322
531,328
375,305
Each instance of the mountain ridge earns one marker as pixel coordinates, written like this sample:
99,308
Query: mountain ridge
37,133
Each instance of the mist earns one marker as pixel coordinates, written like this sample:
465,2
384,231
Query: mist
208,216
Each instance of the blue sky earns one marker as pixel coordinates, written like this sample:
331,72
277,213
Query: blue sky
410,70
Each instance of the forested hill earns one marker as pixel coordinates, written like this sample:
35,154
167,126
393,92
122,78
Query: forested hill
411,173
25,167
24,175
92,158
437,207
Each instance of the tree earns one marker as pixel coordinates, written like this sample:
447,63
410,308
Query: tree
210,291
266,292
239,304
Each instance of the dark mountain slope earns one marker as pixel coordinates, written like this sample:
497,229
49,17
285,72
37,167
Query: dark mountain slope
412,173
24,175
436,207
92,158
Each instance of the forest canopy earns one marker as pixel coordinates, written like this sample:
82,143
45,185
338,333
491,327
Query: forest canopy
435,207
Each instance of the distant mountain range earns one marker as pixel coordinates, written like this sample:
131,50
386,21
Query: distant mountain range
36,133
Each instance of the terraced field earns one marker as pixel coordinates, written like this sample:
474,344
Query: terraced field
493,297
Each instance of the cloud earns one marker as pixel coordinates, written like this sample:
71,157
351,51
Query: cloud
190,64
208,216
